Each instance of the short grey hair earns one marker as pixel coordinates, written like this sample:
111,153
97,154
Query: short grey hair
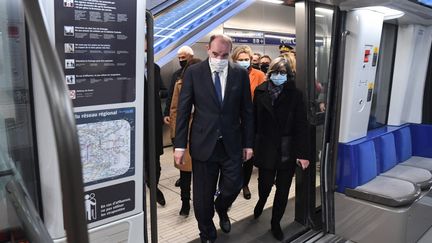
185,49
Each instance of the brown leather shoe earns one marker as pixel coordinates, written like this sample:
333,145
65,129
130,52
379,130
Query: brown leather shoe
246,193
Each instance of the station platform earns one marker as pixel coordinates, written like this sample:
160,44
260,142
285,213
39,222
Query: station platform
173,228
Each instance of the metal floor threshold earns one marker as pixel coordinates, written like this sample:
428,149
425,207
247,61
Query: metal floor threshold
313,236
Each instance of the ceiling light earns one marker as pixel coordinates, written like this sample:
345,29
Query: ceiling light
280,37
273,1
319,16
324,10
388,13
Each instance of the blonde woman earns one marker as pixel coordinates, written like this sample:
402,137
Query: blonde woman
242,55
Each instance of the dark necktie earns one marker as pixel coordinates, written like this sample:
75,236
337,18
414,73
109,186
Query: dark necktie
218,87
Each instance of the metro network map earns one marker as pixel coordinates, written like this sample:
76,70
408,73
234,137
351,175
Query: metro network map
107,142
105,149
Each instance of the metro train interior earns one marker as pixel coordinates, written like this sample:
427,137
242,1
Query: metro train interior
77,104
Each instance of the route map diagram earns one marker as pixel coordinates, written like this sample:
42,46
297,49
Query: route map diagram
105,149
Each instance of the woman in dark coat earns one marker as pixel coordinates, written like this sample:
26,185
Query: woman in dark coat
281,138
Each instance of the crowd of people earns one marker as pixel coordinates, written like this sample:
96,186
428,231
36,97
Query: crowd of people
228,113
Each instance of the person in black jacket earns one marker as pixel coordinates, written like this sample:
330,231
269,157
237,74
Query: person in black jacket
159,143
281,138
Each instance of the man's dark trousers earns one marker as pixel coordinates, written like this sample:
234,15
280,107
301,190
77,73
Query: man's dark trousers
205,177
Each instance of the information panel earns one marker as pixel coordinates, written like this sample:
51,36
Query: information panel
96,43
109,201
107,141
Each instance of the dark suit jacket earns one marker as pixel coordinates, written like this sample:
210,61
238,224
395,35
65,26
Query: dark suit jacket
281,128
233,120
158,115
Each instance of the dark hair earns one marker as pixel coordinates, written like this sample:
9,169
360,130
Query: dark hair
278,63
266,56
188,64
224,37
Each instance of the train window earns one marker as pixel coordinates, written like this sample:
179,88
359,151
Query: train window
17,145
382,90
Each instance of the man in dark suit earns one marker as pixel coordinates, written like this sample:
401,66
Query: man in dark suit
222,132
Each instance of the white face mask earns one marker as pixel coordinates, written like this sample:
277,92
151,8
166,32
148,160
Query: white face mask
145,57
218,64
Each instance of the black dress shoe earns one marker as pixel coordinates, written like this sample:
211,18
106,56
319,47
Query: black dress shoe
224,222
184,211
277,232
177,183
246,193
258,208
160,197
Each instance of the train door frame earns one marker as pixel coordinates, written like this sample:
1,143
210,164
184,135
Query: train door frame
427,96
306,213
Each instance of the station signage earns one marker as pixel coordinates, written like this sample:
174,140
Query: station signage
264,38
95,41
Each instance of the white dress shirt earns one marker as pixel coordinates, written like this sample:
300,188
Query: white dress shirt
223,78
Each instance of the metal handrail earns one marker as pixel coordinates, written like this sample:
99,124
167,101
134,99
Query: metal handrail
158,9
65,131
152,92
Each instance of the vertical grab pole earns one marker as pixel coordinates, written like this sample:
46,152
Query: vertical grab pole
151,132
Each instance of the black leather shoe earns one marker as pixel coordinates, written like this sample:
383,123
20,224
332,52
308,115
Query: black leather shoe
246,193
224,222
184,211
177,183
160,197
258,209
277,232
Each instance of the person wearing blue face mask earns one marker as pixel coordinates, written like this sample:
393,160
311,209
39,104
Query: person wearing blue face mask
281,129
242,55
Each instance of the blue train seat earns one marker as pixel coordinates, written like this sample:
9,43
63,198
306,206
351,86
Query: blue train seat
388,163
361,178
414,146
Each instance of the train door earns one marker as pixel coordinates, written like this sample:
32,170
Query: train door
317,28
23,218
19,193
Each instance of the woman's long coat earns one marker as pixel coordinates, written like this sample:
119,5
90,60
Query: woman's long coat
281,129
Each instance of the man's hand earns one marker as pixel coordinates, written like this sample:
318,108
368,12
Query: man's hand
304,163
167,120
178,157
247,154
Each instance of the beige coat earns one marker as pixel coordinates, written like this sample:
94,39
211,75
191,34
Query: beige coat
187,166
